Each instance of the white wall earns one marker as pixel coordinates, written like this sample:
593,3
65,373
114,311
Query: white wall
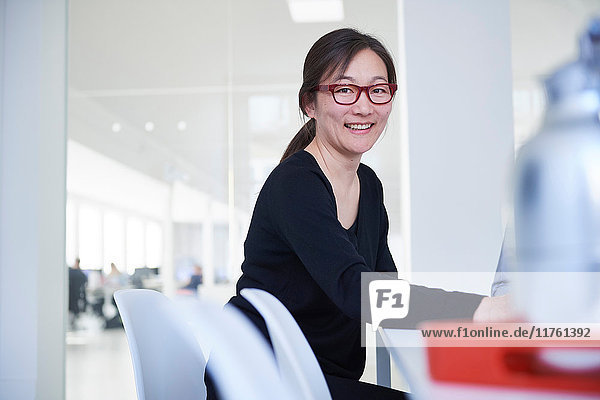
32,199
457,131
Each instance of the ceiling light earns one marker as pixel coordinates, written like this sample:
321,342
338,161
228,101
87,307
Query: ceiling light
316,10
181,126
116,127
149,126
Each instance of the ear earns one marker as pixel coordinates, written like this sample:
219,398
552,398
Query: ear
308,103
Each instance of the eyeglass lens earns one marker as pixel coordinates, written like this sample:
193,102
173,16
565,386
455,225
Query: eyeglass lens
348,94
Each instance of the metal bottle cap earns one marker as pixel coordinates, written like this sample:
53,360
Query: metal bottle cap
582,74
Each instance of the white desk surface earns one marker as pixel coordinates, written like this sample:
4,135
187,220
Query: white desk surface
408,353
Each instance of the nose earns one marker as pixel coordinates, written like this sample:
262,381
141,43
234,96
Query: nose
363,105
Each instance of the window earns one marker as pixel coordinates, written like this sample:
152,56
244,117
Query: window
135,244
154,245
90,237
114,241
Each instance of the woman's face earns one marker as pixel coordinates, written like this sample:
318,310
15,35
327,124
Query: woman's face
353,129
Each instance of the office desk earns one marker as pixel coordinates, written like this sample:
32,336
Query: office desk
407,351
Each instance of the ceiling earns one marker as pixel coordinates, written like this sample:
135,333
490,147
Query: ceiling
231,70
202,62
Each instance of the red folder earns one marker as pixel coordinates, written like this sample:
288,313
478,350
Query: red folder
517,367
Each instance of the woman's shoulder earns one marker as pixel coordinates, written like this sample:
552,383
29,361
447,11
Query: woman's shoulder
300,166
367,171
297,179
368,177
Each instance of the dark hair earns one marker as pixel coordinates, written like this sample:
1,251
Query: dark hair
332,52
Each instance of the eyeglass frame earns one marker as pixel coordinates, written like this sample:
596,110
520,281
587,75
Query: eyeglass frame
333,86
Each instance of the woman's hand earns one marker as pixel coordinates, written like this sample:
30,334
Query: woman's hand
495,309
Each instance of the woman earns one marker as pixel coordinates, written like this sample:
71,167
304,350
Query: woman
319,220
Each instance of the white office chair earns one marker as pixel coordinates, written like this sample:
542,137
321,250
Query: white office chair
298,366
168,362
241,364
166,340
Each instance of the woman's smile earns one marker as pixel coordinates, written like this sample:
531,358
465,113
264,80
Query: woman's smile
359,128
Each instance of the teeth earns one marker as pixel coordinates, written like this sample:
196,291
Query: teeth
359,126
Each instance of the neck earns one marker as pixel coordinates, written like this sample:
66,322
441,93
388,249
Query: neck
336,166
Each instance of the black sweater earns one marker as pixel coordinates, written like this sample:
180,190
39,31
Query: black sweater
297,250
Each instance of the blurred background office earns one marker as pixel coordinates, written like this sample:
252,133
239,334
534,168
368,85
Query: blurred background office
136,137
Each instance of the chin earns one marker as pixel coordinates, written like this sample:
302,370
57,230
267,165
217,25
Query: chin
360,150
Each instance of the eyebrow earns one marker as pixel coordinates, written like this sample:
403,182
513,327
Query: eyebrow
351,79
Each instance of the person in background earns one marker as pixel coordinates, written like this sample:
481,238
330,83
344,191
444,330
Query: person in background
195,281
114,281
77,296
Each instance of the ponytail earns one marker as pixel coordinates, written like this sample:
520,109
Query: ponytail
302,139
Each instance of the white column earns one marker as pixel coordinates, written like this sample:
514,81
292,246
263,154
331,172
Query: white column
32,199
456,101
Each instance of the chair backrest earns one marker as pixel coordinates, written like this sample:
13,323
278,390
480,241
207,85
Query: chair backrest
168,362
298,366
241,363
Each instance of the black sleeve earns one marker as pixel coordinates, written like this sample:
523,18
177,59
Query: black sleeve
304,212
385,262
428,304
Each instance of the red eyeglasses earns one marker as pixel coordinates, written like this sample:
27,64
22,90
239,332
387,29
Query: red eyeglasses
347,94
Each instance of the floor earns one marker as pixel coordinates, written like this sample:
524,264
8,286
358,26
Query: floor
99,365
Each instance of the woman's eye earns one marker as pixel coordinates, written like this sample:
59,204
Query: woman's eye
380,90
344,90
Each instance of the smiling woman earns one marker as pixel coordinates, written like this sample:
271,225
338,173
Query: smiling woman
319,220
